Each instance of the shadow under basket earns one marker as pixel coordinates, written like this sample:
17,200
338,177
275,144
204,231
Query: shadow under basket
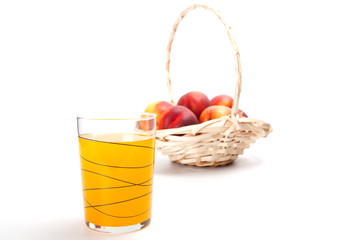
216,142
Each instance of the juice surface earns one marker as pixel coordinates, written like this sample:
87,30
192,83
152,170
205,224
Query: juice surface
117,171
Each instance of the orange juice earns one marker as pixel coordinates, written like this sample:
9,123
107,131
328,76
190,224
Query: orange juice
117,176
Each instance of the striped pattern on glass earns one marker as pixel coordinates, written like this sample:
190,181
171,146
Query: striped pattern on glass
117,172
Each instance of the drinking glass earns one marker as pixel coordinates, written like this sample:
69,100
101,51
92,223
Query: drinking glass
117,167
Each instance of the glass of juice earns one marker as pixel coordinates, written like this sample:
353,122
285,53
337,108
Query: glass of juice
117,167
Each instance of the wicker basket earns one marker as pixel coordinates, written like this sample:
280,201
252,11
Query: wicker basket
216,142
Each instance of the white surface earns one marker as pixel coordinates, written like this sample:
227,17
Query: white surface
300,73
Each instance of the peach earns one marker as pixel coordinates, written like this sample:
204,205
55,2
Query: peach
158,108
177,116
214,112
241,113
223,100
146,124
195,101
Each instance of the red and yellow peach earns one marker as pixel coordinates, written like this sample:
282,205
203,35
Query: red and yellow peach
158,108
241,113
177,116
223,100
214,112
195,101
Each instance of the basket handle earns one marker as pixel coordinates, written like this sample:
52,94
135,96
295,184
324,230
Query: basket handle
233,43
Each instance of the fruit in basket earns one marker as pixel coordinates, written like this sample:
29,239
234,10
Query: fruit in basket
177,116
241,113
214,112
223,100
158,108
195,101
146,124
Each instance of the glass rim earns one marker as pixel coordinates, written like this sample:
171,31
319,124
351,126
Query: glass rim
148,116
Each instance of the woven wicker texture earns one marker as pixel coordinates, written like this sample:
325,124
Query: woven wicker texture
217,142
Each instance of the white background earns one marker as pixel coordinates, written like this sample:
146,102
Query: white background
300,64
